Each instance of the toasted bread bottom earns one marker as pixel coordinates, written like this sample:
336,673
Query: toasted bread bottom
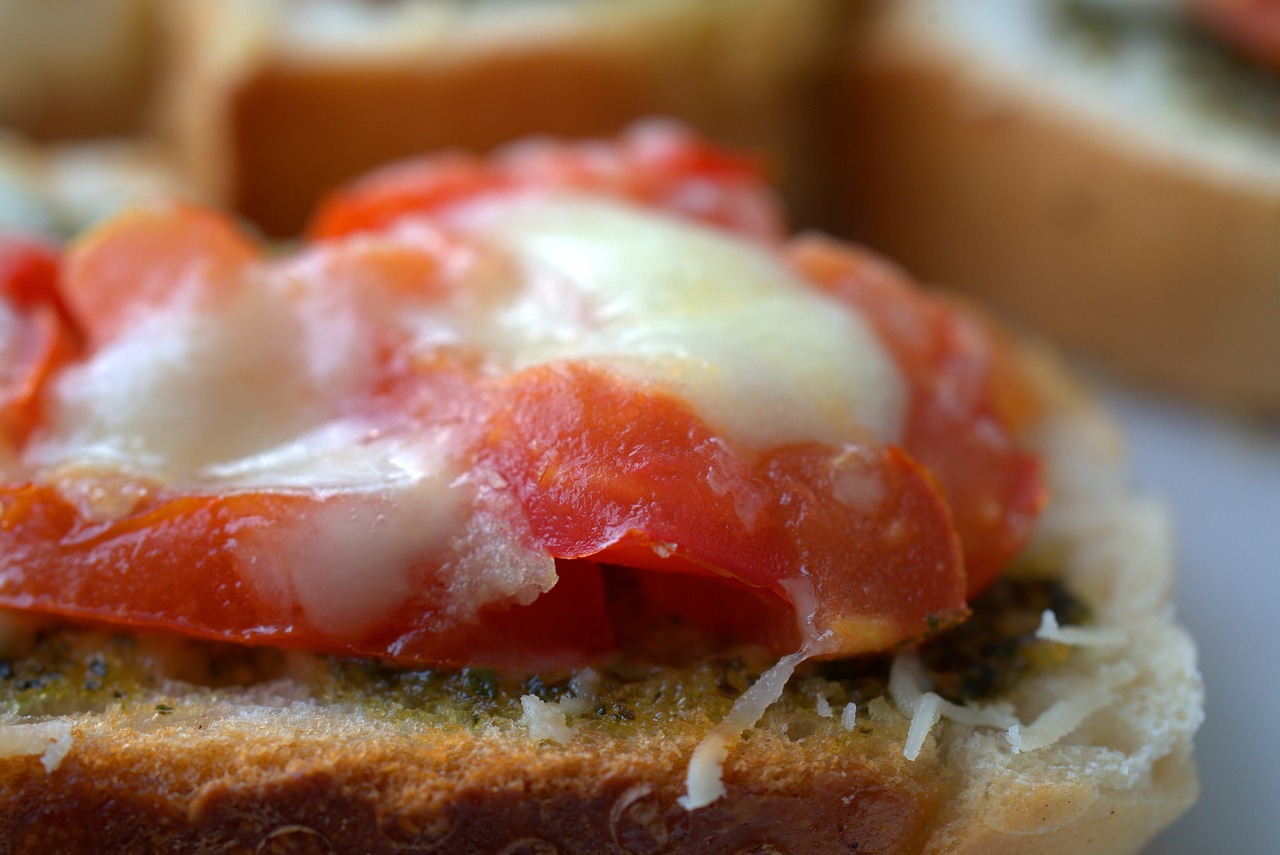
260,760
1153,252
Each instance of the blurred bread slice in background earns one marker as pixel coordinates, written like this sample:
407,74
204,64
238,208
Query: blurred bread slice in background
1102,170
76,68
59,190
272,102
1099,168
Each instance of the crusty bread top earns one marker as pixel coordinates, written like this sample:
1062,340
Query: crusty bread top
345,33
222,765
59,191
1101,189
1139,72
252,87
70,69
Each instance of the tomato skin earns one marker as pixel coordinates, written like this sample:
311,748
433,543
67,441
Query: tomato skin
652,165
1250,26
148,256
627,476
43,338
848,549
200,580
964,410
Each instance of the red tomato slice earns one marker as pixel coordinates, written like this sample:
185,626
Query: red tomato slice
147,256
193,565
37,338
1251,26
151,556
653,165
28,272
849,549
964,406
611,472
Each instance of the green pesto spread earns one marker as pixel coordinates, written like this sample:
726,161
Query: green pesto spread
70,671
1208,77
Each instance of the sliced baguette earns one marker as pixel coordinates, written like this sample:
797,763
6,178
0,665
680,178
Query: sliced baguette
1094,168
146,745
61,190
273,103
73,69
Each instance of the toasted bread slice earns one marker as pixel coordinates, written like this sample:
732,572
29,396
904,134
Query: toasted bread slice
274,103
1101,170
1010,734
113,743
71,69
60,190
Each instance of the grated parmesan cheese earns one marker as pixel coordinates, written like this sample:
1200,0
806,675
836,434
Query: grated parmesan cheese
547,720
924,715
849,717
51,740
1064,716
1078,636
908,683
704,782
912,693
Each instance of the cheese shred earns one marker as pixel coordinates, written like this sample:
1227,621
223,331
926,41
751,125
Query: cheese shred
924,715
849,717
547,720
911,691
51,740
1064,716
704,782
1078,636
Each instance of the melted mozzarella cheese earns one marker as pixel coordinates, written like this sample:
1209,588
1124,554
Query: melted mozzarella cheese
252,391
718,321
188,388
8,332
348,561
1080,636
50,739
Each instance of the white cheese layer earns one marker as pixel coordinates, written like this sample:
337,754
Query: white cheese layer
1137,75
188,387
719,321
9,328
265,387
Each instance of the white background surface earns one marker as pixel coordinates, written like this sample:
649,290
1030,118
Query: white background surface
1221,479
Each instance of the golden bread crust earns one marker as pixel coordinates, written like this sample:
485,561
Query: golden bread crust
269,769
373,791
229,770
266,121
1161,266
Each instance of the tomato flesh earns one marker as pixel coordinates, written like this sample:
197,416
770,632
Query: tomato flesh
147,256
657,167
647,512
38,337
1250,26
628,477
188,564
960,411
